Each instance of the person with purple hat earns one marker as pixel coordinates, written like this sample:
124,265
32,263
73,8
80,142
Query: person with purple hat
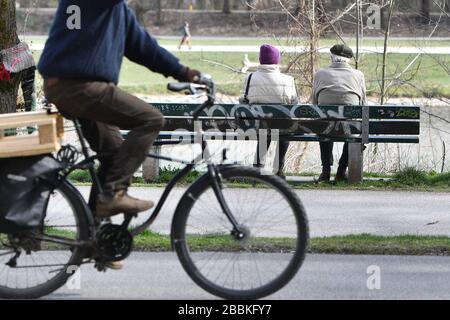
269,86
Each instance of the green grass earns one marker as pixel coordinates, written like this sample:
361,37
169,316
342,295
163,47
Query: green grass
165,174
408,179
414,177
348,244
385,245
282,42
151,241
432,77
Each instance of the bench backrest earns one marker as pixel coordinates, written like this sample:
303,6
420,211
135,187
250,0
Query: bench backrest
303,122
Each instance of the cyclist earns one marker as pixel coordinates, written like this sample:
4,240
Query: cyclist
80,65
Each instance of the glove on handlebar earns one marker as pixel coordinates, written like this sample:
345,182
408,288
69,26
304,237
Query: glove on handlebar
189,75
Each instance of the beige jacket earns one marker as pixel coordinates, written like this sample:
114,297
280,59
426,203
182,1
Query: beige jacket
269,85
339,84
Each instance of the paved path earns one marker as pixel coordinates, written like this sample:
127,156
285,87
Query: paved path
340,212
287,49
160,276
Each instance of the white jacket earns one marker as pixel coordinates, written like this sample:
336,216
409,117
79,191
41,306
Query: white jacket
269,85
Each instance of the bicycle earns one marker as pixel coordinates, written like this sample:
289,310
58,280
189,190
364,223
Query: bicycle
238,234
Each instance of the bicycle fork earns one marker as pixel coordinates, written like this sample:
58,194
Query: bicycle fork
239,232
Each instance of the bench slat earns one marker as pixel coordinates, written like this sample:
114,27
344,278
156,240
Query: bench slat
168,138
304,126
304,111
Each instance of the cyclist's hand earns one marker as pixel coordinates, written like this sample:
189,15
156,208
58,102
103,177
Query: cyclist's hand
189,75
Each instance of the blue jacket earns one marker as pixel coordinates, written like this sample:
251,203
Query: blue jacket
109,31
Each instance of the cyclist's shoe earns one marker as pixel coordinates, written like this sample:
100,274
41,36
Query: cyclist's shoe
120,202
114,265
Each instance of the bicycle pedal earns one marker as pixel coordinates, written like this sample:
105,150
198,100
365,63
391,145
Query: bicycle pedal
100,266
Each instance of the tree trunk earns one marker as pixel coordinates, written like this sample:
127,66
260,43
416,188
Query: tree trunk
138,9
314,37
159,21
8,39
425,11
387,31
226,7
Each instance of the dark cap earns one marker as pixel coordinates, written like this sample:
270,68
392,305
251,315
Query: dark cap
342,50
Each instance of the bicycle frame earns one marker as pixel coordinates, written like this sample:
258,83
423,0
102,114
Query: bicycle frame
205,156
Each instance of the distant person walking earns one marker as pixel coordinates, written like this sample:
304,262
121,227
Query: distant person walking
338,84
186,40
268,85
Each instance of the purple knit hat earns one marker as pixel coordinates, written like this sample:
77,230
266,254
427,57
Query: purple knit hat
269,54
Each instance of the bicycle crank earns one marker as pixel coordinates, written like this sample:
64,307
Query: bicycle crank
114,243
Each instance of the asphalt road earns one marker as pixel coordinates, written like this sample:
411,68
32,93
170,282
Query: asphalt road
340,212
160,276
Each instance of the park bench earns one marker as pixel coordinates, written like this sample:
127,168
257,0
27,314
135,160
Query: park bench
358,125
354,124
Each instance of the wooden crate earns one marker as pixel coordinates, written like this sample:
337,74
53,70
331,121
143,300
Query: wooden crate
47,138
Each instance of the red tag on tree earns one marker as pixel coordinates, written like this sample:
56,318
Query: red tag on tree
5,75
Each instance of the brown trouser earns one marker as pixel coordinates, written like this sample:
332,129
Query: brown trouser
103,109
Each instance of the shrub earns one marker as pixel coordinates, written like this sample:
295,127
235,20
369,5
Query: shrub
411,177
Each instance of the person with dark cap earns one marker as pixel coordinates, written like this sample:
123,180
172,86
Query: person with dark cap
268,85
338,84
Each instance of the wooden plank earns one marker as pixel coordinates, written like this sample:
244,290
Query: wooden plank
47,133
45,141
355,162
301,111
26,116
189,136
60,126
335,128
394,127
16,123
372,138
23,146
395,112
150,167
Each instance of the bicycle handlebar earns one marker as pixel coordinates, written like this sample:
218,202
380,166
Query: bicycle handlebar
205,83
192,88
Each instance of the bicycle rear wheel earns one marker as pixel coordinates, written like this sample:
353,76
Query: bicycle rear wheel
276,234
41,266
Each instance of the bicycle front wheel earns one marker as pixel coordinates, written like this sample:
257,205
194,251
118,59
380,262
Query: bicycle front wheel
275,242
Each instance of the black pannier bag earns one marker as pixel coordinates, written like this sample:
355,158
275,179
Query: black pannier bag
23,196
